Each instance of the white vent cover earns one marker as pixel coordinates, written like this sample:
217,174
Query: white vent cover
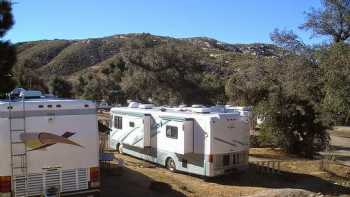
201,110
197,106
133,105
30,93
146,106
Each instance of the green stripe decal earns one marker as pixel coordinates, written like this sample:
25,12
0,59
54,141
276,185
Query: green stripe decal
132,130
129,113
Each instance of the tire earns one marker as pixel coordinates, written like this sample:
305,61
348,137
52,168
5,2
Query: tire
170,165
120,149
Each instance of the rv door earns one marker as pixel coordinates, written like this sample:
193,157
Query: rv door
188,130
147,119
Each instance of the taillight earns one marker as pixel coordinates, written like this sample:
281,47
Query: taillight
211,158
94,177
5,184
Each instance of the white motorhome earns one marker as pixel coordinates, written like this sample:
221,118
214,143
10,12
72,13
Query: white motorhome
48,147
198,140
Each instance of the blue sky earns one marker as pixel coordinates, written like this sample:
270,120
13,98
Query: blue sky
233,21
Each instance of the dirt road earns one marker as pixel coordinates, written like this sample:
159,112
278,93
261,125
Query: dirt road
140,178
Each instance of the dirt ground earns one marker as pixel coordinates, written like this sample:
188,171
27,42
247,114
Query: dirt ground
340,143
140,178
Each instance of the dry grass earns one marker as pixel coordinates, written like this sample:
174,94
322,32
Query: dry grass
341,131
292,163
339,170
140,177
335,172
271,153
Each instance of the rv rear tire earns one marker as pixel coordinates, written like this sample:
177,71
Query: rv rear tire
170,165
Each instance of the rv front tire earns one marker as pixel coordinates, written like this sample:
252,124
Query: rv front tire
170,165
120,148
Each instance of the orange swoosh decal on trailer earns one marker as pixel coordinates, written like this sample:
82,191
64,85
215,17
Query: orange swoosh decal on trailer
40,141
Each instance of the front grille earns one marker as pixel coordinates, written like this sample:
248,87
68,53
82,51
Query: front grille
20,186
35,184
234,160
83,179
69,182
65,180
226,160
52,179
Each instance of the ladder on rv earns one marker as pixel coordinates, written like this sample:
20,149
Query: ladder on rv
17,121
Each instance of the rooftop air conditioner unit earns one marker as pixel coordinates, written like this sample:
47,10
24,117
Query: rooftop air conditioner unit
31,94
133,105
146,106
197,106
201,110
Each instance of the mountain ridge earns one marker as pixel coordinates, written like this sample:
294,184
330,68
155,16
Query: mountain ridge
69,58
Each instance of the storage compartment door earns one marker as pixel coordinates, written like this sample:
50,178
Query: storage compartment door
147,131
188,130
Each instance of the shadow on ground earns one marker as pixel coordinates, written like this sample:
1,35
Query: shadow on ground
284,180
128,183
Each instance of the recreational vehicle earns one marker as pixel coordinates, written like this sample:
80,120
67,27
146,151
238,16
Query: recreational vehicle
198,140
48,146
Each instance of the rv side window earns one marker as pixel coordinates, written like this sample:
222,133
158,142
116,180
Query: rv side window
131,124
118,122
171,132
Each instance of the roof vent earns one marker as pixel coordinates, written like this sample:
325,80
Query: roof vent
31,94
201,110
146,106
197,106
17,91
133,105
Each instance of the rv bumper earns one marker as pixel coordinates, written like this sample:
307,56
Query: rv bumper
86,193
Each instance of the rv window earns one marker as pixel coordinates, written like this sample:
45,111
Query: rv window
118,122
171,132
131,124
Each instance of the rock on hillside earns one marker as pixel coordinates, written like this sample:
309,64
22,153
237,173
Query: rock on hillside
252,49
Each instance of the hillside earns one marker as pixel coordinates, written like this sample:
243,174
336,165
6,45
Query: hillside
39,61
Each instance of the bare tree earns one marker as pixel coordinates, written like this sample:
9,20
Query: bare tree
332,20
287,39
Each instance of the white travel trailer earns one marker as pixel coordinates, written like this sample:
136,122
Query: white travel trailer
198,140
48,147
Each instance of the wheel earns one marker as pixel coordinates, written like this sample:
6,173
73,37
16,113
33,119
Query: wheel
170,165
120,148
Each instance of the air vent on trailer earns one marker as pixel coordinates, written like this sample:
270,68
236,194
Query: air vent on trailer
200,109
31,94
133,105
146,106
